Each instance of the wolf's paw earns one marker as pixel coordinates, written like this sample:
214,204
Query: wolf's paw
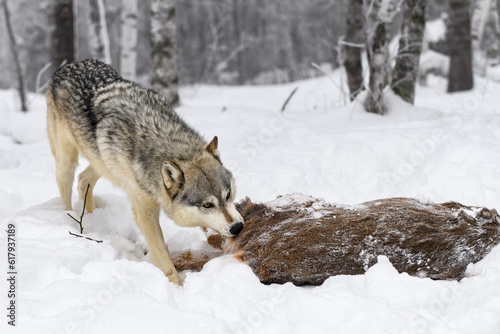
90,206
173,276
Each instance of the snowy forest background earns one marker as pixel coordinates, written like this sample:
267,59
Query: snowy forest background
238,63
230,42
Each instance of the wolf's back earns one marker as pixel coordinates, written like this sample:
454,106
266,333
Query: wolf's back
77,83
84,77
73,88
118,116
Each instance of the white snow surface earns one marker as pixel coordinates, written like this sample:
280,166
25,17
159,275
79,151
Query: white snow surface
445,148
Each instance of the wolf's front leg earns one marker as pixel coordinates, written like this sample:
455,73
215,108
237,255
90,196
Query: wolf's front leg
147,216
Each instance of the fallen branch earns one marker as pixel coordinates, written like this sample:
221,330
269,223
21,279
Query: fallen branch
81,219
83,210
82,236
289,98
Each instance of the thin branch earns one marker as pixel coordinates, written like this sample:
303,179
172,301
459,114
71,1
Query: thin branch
76,221
223,63
327,74
289,98
353,45
15,56
81,219
39,88
83,210
82,236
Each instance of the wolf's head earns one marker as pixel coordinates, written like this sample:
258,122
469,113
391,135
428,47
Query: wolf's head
202,191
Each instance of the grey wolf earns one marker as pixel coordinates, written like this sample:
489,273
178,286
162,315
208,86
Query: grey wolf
131,136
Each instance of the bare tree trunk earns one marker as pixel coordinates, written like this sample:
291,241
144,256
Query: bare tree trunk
165,77
405,72
491,40
485,34
352,47
128,52
98,32
287,48
478,21
15,56
238,37
459,47
64,50
379,15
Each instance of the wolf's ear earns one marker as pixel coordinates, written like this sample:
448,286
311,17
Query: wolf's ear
173,177
212,147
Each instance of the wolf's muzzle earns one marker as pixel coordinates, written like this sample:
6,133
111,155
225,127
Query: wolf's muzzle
236,228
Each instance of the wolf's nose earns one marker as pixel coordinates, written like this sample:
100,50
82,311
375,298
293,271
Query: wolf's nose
236,228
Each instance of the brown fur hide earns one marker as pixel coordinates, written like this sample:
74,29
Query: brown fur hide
304,240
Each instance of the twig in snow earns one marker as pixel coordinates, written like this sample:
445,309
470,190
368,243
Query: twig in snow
289,98
83,210
81,219
82,236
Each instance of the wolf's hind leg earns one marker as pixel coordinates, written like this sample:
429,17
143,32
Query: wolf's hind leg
66,162
88,178
65,153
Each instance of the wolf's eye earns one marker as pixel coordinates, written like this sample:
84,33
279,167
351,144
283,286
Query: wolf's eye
208,205
228,195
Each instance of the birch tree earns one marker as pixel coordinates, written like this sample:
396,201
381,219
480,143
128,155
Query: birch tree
405,71
459,47
379,14
165,77
352,46
98,32
128,52
238,38
485,34
15,56
64,50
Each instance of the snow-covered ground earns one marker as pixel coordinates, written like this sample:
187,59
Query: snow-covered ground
445,148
